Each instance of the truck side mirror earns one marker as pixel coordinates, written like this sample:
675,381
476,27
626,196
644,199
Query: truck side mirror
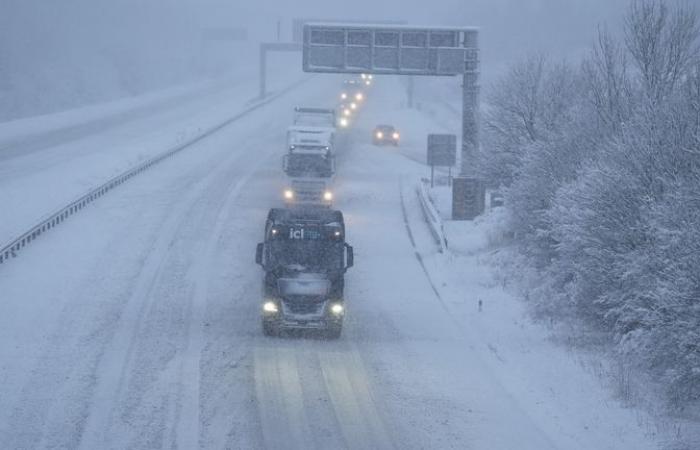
285,162
350,257
259,253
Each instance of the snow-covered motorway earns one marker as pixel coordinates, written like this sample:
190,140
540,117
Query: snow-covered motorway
136,324
48,161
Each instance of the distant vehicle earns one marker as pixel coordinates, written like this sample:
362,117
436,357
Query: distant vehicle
306,190
345,109
385,134
367,78
310,159
352,91
305,257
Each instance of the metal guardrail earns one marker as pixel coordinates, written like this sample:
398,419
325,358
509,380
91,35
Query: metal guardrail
432,217
11,249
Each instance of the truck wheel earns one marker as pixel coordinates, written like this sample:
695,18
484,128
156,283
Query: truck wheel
334,331
269,329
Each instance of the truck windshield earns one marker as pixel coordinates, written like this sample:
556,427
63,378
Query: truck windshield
302,286
316,120
300,165
320,256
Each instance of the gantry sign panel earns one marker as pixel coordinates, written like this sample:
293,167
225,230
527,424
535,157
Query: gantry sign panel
390,49
298,25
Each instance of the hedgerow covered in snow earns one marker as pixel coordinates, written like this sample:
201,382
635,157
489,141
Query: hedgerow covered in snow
600,163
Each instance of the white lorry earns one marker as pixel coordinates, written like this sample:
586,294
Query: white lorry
315,117
310,159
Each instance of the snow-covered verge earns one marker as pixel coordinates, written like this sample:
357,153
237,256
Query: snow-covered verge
600,163
547,359
599,168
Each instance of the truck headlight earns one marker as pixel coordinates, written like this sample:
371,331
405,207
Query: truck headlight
270,307
359,96
343,95
395,135
380,135
337,309
343,122
288,194
328,196
353,105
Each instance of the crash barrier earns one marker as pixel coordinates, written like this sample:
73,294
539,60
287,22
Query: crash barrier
11,249
432,217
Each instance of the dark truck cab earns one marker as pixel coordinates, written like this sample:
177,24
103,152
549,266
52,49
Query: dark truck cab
305,258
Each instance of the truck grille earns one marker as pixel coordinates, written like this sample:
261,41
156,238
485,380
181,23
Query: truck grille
303,305
309,191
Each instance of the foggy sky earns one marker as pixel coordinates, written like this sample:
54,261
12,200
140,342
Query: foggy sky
54,53
509,28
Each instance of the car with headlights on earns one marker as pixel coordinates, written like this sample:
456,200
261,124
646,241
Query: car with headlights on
352,91
385,135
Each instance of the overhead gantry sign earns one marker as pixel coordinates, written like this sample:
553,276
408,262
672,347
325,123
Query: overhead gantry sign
396,50
406,50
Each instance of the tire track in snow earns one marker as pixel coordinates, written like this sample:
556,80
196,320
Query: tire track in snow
346,382
116,358
188,427
116,369
279,399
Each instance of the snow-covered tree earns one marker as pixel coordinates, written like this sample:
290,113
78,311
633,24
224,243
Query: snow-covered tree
603,170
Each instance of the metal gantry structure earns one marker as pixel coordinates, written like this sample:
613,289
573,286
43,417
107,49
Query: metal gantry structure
296,44
414,51
267,47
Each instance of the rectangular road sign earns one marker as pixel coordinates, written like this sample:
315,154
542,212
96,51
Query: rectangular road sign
387,49
298,25
442,150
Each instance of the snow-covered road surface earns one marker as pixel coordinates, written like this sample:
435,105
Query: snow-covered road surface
48,161
136,324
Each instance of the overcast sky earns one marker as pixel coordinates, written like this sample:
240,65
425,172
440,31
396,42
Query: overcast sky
509,28
57,53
